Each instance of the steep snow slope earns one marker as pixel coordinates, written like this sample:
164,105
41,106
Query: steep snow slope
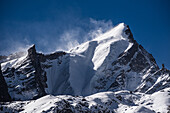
58,75
70,74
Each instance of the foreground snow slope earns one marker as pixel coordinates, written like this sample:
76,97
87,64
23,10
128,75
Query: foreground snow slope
119,102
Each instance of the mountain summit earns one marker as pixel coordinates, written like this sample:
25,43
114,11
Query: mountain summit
113,62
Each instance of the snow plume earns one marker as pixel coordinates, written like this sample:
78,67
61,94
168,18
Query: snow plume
68,39
101,26
50,36
75,36
17,46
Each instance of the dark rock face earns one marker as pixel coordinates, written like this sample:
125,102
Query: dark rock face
4,95
40,75
125,58
139,63
21,81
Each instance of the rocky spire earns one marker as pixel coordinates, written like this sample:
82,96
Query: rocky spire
32,54
4,95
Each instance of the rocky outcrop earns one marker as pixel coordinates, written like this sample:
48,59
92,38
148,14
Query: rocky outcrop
155,82
4,95
52,56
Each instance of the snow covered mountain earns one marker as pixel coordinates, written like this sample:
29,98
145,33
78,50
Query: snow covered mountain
113,63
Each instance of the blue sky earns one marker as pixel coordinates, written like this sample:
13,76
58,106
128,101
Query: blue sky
46,22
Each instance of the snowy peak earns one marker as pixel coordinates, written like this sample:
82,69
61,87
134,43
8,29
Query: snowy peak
117,40
115,32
